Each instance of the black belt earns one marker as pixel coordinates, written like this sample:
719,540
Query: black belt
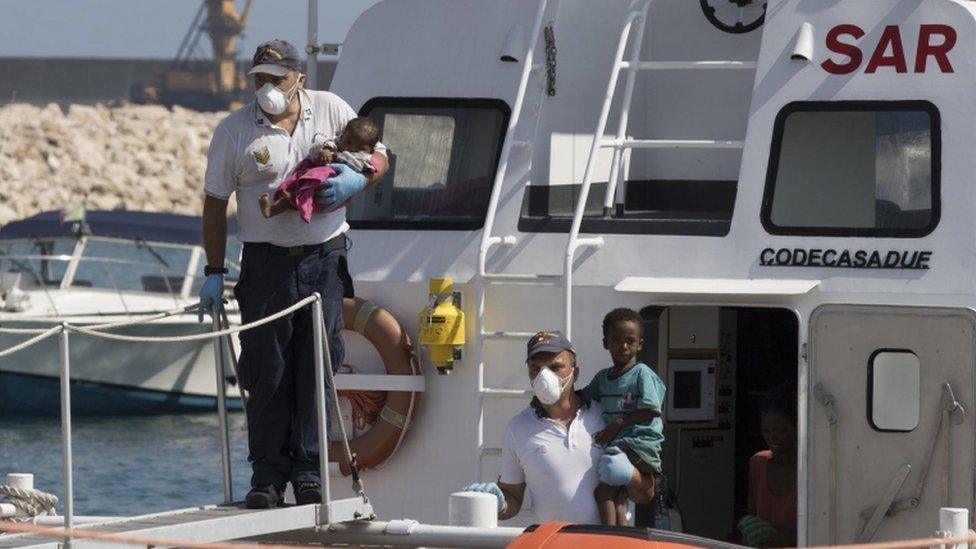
334,243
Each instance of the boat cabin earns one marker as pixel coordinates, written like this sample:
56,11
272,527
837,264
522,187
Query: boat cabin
781,189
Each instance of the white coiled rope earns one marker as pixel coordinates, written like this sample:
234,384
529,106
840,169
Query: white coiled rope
30,501
96,331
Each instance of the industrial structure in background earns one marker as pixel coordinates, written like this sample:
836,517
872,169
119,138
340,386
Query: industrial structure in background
204,84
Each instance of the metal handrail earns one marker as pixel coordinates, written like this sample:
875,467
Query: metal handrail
487,240
574,242
321,357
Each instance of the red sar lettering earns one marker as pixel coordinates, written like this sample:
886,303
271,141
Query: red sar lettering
890,40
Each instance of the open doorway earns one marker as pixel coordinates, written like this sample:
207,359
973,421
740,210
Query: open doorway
722,365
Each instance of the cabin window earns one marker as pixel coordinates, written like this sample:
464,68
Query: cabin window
854,168
132,266
39,262
893,383
443,156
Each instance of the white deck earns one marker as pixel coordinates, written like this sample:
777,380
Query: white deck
200,524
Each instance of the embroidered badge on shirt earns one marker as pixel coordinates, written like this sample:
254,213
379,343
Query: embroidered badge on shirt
262,156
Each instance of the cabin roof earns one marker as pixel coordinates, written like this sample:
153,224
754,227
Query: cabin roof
149,226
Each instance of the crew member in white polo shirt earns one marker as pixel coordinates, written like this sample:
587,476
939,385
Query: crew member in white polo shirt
285,260
548,447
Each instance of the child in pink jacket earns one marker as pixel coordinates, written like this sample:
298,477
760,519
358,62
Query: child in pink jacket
354,149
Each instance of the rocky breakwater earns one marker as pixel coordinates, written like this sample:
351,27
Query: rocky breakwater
134,157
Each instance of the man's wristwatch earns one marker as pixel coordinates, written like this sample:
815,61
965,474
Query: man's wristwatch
208,270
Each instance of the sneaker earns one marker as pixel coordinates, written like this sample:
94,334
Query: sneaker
263,497
307,491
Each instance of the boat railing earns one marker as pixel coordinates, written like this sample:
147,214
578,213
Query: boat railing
168,281
332,511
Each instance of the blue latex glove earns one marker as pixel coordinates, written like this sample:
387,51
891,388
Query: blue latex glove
488,488
346,184
614,468
211,293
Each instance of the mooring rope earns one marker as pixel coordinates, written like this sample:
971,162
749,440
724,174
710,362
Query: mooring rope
31,502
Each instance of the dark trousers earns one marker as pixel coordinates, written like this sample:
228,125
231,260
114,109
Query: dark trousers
277,364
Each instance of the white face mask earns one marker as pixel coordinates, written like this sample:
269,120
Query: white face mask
273,100
548,386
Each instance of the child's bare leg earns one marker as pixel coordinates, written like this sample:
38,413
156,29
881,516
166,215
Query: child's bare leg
620,505
606,496
272,208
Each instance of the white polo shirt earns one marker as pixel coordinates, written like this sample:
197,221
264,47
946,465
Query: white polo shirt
250,156
557,465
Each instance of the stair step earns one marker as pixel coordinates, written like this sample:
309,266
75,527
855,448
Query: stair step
691,65
670,144
506,393
507,335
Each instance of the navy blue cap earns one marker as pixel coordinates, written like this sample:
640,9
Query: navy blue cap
550,341
275,57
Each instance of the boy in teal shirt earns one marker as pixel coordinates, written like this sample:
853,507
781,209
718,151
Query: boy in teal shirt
631,395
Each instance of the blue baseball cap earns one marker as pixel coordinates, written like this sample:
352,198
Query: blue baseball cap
549,341
276,58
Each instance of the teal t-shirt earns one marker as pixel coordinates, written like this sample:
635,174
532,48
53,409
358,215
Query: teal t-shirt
639,388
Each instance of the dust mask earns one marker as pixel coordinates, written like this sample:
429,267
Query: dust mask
273,100
548,386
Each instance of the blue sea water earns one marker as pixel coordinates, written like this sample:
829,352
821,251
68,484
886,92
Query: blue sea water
128,465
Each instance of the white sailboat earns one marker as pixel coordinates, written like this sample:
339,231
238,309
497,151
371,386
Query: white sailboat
107,267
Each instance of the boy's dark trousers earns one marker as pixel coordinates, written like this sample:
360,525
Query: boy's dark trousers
277,365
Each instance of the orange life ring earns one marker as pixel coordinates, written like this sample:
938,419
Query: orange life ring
383,331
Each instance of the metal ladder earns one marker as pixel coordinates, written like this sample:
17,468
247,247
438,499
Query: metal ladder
523,140
621,143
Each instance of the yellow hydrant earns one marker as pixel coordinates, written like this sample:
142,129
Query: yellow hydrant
441,325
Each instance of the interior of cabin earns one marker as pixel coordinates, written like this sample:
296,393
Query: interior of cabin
720,365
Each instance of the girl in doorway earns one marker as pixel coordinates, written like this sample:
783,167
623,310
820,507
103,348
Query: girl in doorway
771,521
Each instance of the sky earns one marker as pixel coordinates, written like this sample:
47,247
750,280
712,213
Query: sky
145,29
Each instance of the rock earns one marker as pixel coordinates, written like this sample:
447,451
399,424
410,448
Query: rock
140,157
